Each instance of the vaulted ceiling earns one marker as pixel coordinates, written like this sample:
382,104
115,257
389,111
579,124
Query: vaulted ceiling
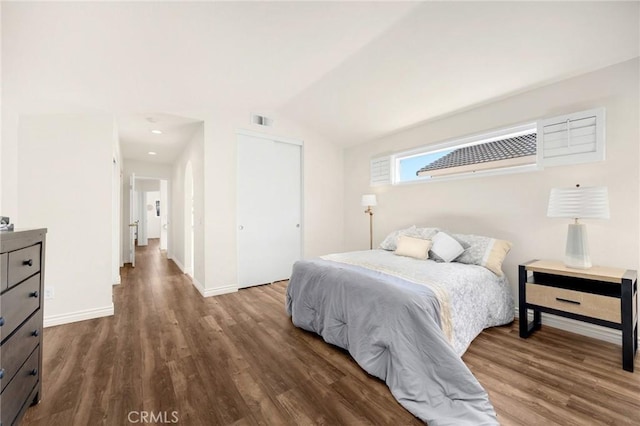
352,71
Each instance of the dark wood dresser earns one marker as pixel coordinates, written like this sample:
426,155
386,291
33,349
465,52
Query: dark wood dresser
21,287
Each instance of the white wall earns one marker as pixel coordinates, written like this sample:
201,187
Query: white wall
194,153
147,185
145,169
116,208
64,166
513,207
153,221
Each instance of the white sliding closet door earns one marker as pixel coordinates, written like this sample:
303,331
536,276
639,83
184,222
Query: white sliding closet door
286,179
269,209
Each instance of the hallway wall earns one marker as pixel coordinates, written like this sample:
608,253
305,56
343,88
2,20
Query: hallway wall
194,153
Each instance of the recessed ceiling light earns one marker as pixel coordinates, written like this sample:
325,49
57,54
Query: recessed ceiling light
152,153
157,132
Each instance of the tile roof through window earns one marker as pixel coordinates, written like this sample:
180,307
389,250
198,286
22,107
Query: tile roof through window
503,149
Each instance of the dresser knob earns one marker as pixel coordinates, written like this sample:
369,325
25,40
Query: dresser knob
35,333
34,294
1,321
28,262
1,373
33,372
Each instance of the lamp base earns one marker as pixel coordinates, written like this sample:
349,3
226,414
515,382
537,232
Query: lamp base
577,251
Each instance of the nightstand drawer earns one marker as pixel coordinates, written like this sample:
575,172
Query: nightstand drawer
587,304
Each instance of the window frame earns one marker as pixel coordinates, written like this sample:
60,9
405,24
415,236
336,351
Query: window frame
475,139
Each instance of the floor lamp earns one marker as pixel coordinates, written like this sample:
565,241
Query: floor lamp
576,203
369,200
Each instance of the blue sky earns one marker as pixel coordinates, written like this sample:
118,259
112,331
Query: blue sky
409,166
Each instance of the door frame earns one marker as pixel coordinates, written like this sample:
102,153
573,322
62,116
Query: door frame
281,139
167,209
189,220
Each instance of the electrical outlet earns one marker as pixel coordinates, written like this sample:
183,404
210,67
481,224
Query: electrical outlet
49,293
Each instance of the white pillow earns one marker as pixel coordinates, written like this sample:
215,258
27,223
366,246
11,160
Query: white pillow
413,247
446,247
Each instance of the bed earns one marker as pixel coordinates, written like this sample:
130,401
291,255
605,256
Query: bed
407,322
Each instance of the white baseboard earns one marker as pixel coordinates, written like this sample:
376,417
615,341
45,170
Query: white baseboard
118,280
579,327
198,286
208,292
178,264
87,314
220,290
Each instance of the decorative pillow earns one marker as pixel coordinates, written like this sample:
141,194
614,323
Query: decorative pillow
413,247
445,247
391,241
424,233
484,251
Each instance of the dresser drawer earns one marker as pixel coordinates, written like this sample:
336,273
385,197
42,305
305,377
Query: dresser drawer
23,263
22,343
587,304
18,304
16,393
4,258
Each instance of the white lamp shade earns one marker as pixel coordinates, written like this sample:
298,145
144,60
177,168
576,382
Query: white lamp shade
369,200
579,202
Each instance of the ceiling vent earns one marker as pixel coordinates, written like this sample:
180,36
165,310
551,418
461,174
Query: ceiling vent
261,120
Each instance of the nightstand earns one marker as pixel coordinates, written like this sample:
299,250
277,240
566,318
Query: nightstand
599,295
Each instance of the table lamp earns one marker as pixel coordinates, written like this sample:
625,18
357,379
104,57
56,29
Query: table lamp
578,203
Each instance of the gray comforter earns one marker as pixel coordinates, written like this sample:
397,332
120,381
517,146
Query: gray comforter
391,328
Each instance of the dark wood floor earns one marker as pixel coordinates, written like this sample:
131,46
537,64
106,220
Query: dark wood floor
237,359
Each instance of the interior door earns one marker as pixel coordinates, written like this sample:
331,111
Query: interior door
285,209
269,228
133,225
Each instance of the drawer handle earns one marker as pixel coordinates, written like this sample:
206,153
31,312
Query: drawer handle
28,262
1,373
35,333
1,321
33,372
34,294
560,299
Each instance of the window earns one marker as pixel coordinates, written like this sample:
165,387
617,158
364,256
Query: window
574,138
513,148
